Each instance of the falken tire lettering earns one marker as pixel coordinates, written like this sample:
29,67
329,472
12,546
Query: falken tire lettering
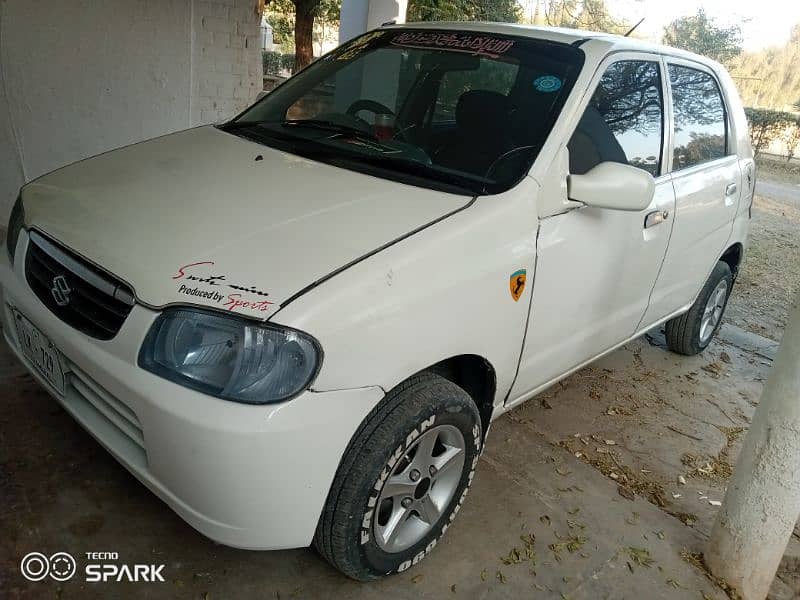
366,521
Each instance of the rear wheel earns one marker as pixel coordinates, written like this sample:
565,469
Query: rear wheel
692,331
402,479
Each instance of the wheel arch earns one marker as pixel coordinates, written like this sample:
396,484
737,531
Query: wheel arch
733,257
476,376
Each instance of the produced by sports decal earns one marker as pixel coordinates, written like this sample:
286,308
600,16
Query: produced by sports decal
198,282
516,283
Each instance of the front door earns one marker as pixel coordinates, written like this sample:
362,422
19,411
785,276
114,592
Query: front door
596,267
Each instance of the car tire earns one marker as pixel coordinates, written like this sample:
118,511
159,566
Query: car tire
692,332
384,512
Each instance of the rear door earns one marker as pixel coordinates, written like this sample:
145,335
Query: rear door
707,180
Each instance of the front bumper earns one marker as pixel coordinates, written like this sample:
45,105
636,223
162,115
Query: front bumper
246,476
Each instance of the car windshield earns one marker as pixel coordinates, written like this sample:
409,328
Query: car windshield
461,111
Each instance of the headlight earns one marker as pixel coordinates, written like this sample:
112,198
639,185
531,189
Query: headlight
230,357
15,224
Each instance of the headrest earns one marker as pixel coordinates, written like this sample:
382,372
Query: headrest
481,110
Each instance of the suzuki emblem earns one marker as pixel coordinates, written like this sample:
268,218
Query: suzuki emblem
61,290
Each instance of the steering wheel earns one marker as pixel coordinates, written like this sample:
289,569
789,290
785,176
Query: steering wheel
372,106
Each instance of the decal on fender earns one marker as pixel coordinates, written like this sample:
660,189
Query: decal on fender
243,298
516,283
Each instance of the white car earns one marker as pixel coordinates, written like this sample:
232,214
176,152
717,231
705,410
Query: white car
296,327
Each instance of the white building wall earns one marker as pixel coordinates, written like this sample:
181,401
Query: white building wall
227,71
359,16
80,77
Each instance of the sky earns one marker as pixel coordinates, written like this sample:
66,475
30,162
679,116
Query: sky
763,22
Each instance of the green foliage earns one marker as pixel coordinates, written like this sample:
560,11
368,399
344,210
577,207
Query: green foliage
296,24
329,11
700,34
770,78
276,63
767,125
463,10
280,14
791,137
592,15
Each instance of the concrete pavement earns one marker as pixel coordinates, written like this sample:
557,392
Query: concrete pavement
62,492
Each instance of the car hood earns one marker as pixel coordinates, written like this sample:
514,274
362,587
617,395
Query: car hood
205,217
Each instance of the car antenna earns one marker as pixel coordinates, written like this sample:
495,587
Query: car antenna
631,30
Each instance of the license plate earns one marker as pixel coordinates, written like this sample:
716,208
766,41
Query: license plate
40,351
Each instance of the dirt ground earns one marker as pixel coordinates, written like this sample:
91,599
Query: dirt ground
604,486
770,273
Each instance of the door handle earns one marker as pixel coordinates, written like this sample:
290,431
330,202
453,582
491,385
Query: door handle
730,190
655,218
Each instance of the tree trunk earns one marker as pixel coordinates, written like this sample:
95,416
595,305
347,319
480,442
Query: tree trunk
304,33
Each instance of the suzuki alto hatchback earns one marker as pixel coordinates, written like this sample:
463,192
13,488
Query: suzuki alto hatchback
296,327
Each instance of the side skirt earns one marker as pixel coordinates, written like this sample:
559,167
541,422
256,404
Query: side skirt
509,404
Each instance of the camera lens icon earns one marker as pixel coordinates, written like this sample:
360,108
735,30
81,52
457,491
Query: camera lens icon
62,566
35,566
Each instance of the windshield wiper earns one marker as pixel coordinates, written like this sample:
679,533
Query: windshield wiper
332,126
421,169
261,131
234,125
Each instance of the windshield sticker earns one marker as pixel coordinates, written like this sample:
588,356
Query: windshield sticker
547,83
252,299
358,46
481,45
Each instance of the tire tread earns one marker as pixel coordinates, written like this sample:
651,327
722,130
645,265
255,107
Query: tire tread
374,433
682,332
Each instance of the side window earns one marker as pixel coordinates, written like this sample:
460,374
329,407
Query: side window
700,124
491,75
624,121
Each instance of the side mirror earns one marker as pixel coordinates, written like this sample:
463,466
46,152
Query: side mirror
613,185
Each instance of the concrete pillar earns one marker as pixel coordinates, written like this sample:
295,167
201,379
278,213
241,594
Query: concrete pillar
762,503
359,16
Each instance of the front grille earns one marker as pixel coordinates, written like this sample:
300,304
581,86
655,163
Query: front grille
117,413
76,291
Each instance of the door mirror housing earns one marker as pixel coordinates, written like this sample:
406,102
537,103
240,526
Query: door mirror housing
613,185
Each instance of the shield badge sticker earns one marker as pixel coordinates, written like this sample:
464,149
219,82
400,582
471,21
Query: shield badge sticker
517,283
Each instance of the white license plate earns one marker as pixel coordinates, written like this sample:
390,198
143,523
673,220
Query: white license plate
40,351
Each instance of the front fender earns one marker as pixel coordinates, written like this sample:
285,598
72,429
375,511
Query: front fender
441,292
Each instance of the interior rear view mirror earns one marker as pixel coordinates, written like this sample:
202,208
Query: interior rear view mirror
613,185
451,61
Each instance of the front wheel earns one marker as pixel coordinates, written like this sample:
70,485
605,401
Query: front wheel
402,479
692,331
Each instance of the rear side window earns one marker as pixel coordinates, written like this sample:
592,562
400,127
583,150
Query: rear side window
700,124
624,121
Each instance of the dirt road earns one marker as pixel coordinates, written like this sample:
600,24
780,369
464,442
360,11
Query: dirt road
779,191
770,274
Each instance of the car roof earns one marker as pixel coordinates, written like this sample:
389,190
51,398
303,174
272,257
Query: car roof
602,43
